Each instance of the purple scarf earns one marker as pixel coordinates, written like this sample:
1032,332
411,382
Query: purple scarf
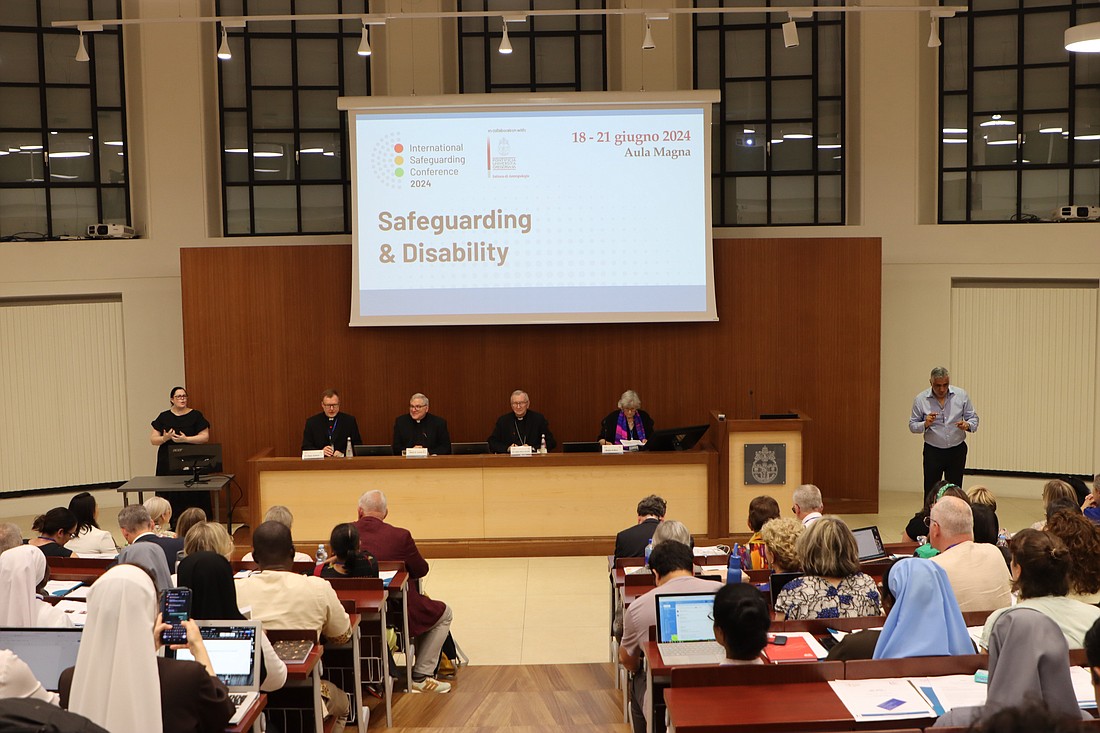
622,432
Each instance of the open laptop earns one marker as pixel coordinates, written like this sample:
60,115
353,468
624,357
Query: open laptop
685,630
234,649
48,652
869,544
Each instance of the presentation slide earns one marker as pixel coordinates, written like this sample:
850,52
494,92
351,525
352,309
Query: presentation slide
532,215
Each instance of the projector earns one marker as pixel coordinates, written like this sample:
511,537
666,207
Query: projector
1077,213
111,231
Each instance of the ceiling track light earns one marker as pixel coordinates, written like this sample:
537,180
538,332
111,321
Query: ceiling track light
647,42
934,21
1084,38
81,49
790,28
364,43
505,42
224,52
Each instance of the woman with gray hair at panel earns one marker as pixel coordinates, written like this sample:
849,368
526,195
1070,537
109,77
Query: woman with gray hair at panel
628,422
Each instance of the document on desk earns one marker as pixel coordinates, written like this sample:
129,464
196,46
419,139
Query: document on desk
951,691
884,699
386,576
1082,687
75,610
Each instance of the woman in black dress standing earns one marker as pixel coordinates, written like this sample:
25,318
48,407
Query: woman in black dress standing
179,424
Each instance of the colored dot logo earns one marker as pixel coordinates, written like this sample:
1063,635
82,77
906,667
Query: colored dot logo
398,160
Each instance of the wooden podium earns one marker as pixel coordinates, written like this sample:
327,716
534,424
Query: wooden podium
772,439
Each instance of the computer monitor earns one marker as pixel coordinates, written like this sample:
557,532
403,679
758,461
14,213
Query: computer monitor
676,438
187,459
371,450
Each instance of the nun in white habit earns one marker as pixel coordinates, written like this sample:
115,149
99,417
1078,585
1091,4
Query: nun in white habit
22,570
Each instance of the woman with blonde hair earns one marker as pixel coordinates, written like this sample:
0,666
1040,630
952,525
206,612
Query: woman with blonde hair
209,537
161,512
780,537
1055,490
833,585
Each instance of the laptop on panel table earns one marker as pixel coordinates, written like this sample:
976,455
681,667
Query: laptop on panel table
48,652
234,649
685,630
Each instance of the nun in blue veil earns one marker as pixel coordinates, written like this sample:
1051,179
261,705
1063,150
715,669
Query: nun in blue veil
925,620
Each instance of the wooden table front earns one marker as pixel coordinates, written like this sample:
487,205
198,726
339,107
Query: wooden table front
783,707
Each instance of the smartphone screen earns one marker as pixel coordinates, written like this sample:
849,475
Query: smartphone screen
175,608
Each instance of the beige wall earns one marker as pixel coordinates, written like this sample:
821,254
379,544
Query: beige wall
892,144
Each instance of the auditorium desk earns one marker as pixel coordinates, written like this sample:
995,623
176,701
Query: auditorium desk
567,498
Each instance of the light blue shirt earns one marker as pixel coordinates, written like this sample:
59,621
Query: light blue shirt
943,433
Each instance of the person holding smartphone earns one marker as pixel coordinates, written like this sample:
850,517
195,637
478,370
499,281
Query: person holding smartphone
121,684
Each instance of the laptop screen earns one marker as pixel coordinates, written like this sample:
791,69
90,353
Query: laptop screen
232,650
48,652
685,617
868,543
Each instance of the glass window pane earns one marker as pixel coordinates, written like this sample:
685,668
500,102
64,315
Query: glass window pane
996,140
1046,88
1043,191
955,133
18,13
954,50
1046,138
71,157
1088,67
272,109
993,195
793,61
829,200
276,209
107,73
829,54
61,66
746,100
953,197
1086,131
745,53
112,153
995,91
318,109
1086,187
994,40
273,157
793,154
319,159
72,210
706,54
793,200
60,10
271,61
473,65
792,99
512,68
747,201
1043,37
556,61
20,108
322,208
270,7
593,76
114,206
237,210
235,144
318,61
20,57
321,26
355,70
24,161
22,209
68,108
745,151
233,87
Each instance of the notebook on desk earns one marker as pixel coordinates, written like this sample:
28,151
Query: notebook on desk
234,649
48,652
685,631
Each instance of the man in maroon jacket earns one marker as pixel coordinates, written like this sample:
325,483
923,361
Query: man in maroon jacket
429,621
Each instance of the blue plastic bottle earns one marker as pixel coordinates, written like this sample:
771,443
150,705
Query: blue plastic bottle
733,573
648,549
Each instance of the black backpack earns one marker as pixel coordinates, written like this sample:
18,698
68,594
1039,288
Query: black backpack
18,715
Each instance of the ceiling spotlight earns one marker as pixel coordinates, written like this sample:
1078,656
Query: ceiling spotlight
81,51
934,35
647,42
223,50
790,34
364,44
505,44
1084,38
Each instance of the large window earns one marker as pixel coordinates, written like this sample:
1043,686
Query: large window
284,163
549,52
779,147
62,122
1019,115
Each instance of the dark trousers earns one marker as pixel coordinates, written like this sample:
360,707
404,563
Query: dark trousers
944,463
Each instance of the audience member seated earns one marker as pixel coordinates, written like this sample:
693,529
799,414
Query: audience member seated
670,529
671,563
18,681
632,541
1027,661
89,539
1053,491
187,519
807,504
208,537
833,586
1028,718
986,531
55,528
23,572
148,556
981,495
348,560
628,422
918,525
1092,652
120,683
429,620
977,573
1082,538
1091,506
137,526
1040,572
282,515
762,509
282,599
10,536
923,619
214,598
161,512
741,621
780,542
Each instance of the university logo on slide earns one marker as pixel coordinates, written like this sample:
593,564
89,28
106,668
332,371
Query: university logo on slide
501,158
388,161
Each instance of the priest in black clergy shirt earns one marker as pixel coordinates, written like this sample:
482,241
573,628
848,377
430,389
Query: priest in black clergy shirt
420,429
330,429
521,426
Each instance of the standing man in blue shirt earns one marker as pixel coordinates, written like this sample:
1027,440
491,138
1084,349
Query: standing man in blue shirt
945,415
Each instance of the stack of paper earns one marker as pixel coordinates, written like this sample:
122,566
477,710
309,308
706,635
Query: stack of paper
885,699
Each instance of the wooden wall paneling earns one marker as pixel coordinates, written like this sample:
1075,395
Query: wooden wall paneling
265,331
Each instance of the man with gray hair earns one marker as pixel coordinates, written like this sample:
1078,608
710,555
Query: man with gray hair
978,574
521,426
807,504
944,414
421,429
137,526
429,620
10,536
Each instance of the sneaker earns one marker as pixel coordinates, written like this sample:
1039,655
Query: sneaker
430,684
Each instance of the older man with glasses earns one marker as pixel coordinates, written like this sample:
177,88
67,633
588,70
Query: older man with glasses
421,429
521,426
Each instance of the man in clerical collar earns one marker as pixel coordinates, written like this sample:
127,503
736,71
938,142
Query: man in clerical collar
521,426
421,429
330,429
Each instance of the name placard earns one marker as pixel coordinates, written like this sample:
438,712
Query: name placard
615,449
313,455
416,452
520,450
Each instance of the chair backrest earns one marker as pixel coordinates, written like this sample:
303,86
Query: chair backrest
975,618
356,583
640,579
302,568
870,669
759,576
757,674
